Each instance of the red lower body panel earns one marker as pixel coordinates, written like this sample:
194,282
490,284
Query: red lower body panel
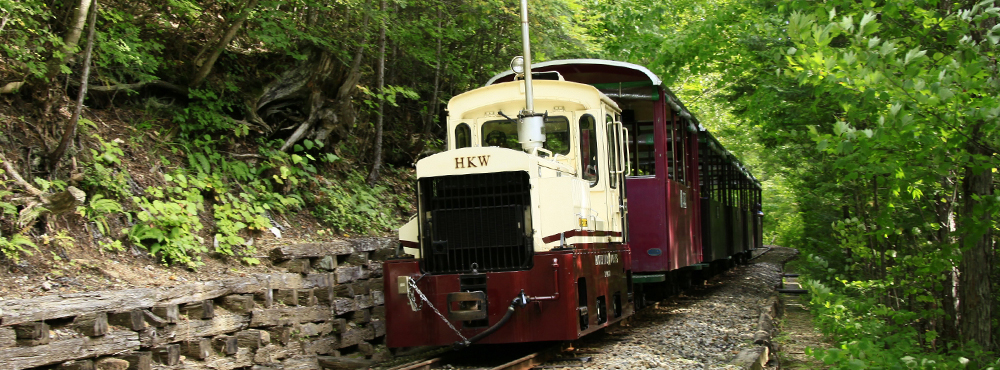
552,285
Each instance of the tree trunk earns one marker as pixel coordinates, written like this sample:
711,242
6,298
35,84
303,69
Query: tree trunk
206,66
69,132
71,40
975,290
432,110
373,176
945,211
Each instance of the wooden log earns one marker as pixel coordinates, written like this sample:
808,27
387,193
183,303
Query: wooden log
92,324
169,354
323,346
199,348
361,287
69,349
109,363
358,258
383,254
378,312
306,298
282,280
366,349
344,305
241,360
169,313
368,332
281,335
153,320
191,329
376,284
381,354
244,285
300,362
296,265
226,344
364,301
373,269
288,316
351,337
288,297
203,310
370,244
347,274
237,303
253,339
314,250
315,329
16,311
345,291
132,319
378,328
8,338
265,297
339,325
320,280
76,365
361,316
273,353
138,360
344,363
32,333
328,263
324,296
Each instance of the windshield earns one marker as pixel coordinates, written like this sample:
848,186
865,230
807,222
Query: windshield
503,133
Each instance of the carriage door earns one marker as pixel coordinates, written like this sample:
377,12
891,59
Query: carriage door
616,170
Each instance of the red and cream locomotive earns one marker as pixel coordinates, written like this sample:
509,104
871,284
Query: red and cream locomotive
565,184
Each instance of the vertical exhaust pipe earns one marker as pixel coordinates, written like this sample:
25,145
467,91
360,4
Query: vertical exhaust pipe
531,128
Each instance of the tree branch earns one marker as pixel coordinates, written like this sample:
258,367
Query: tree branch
70,132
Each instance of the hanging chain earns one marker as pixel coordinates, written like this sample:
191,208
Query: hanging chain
413,305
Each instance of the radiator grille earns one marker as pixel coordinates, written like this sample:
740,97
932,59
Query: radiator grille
481,219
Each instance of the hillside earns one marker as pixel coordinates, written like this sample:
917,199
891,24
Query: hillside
122,172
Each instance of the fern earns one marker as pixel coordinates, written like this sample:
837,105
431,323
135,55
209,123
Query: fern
13,247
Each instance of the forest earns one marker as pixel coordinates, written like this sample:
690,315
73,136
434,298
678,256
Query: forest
183,128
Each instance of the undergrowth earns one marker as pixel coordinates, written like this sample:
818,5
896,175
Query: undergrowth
871,335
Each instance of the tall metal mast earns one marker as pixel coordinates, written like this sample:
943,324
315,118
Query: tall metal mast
531,129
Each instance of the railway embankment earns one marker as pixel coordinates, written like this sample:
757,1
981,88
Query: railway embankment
728,323
323,310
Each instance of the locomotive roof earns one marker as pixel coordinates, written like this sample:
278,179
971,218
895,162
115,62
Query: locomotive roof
589,71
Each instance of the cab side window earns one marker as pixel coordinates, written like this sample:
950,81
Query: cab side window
588,149
463,136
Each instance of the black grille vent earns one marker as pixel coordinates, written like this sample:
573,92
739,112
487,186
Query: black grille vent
481,219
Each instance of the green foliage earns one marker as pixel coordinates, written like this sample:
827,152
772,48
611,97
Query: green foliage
13,246
870,334
351,206
98,209
168,223
27,37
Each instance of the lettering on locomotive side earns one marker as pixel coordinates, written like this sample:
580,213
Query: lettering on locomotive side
606,259
470,162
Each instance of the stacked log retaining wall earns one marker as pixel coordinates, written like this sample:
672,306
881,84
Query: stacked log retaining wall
326,311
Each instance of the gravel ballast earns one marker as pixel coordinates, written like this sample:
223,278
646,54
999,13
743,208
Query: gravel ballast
703,328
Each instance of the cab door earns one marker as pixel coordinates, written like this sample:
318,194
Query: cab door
616,176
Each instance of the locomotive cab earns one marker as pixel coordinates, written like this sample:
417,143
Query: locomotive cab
513,244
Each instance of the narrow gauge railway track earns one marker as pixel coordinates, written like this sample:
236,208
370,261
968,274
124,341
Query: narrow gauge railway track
504,357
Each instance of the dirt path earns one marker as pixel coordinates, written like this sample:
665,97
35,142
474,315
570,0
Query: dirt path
797,332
